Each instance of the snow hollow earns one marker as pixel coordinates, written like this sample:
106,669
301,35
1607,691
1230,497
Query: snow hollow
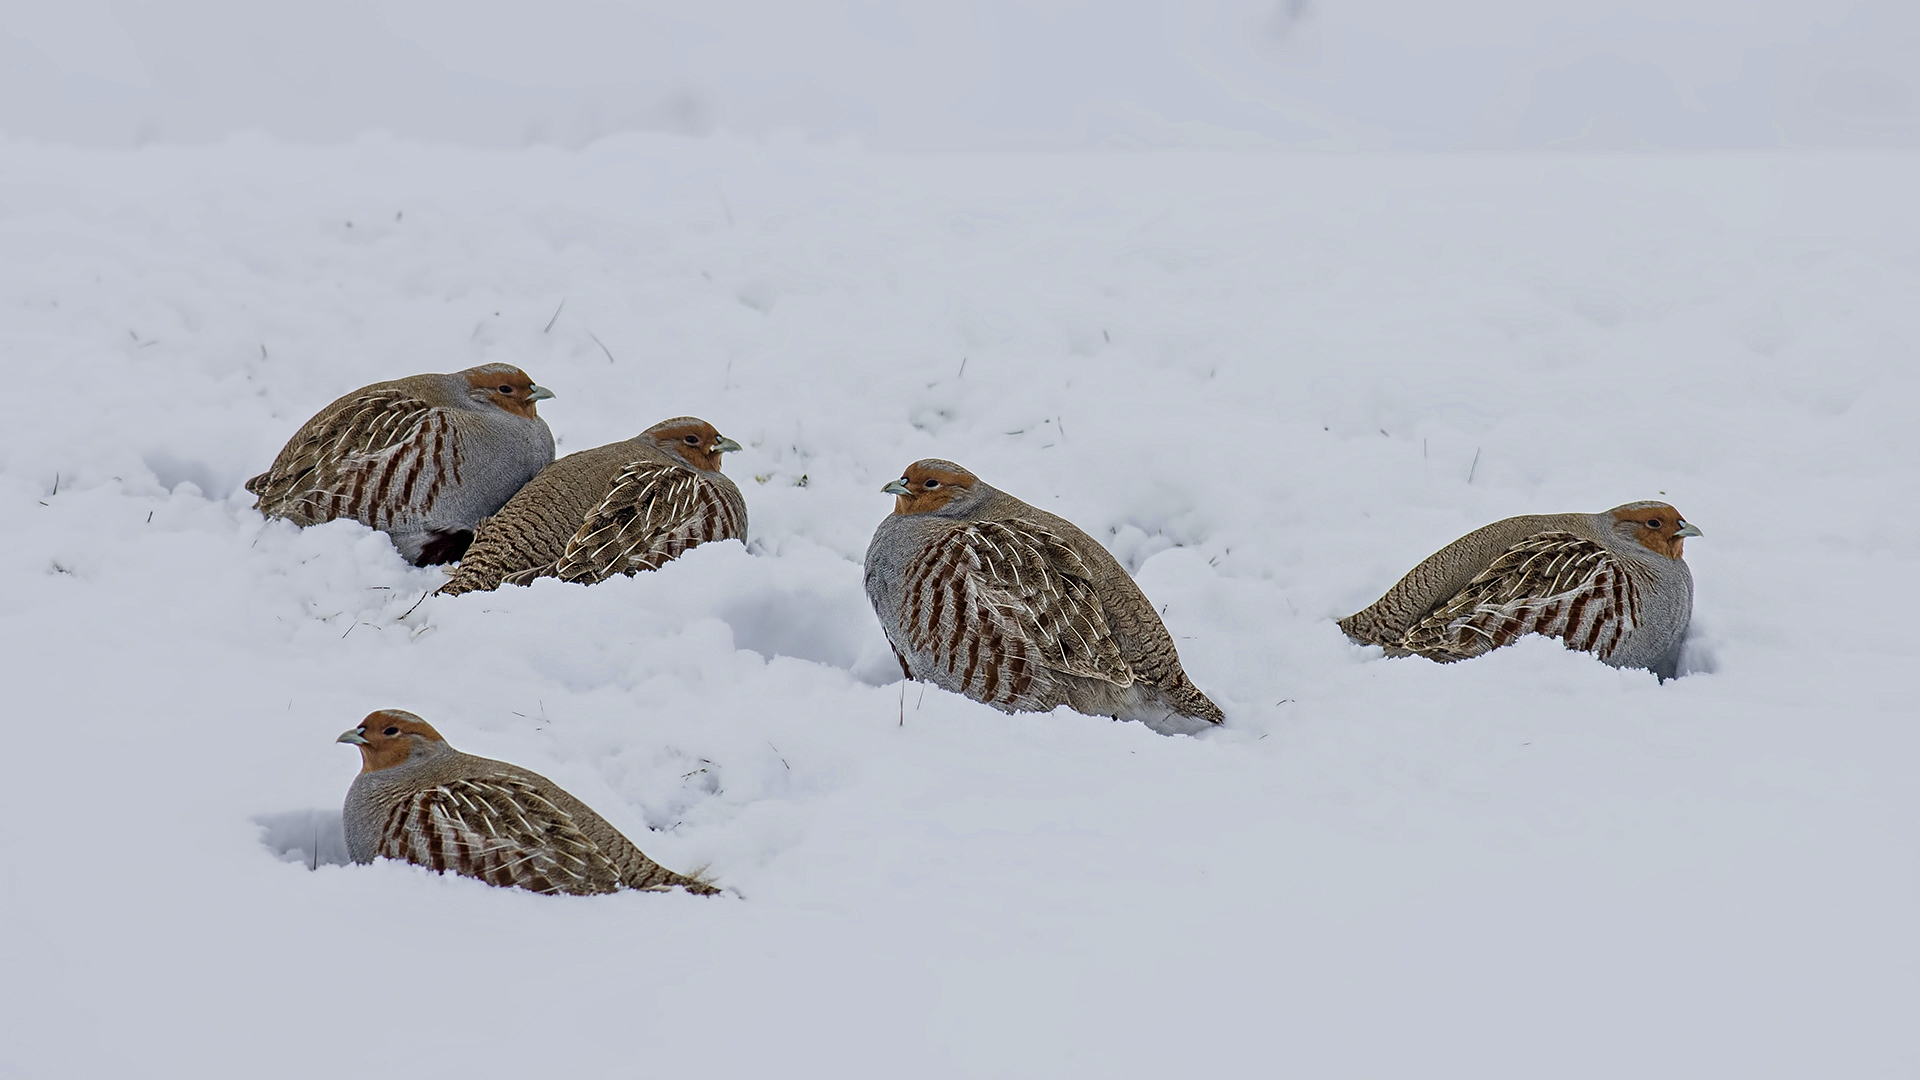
1269,383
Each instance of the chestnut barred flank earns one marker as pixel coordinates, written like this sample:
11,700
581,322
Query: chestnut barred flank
1553,584
986,596
423,459
999,607
1612,584
615,509
384,459
654,513
501,830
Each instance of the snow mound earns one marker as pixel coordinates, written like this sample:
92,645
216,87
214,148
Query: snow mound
1270,384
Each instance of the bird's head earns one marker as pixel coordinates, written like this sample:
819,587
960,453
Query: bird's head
505,387
693,441
1654,525
929,486
391,737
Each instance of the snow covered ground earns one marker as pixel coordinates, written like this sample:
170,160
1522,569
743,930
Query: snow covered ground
1270,383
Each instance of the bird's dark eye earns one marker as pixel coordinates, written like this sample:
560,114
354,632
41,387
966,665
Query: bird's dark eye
692,440
391,731
507,390
1653,523
931,484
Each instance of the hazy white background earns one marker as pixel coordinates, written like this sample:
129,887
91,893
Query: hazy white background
988,74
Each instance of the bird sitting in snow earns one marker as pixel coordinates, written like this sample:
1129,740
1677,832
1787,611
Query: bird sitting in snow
423,458
986,596
1612,584
421,801
615,509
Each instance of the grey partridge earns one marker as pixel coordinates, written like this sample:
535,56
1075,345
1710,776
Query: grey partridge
1613,584
615,509
423,458
419,800
986,596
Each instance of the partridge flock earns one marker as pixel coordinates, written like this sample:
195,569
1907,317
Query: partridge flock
978,593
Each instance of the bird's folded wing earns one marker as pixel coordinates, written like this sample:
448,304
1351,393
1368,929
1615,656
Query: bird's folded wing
1001,604
1551,583
500,829
652,514
380,452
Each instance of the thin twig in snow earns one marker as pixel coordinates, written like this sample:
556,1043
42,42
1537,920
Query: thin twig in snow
602,344
556,315
1474,466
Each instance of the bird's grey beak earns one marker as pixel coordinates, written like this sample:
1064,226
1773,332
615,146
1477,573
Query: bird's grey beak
726,446
356,736
539,393
898,487
1686,529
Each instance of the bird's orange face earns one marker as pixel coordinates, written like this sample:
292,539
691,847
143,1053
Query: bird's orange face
697,441
1657,526
509,388
928,486
386,738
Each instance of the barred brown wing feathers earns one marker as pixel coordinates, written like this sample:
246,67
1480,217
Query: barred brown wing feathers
1553,583
519,577
379,458
501,830
1001,607
652,514
1052,598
